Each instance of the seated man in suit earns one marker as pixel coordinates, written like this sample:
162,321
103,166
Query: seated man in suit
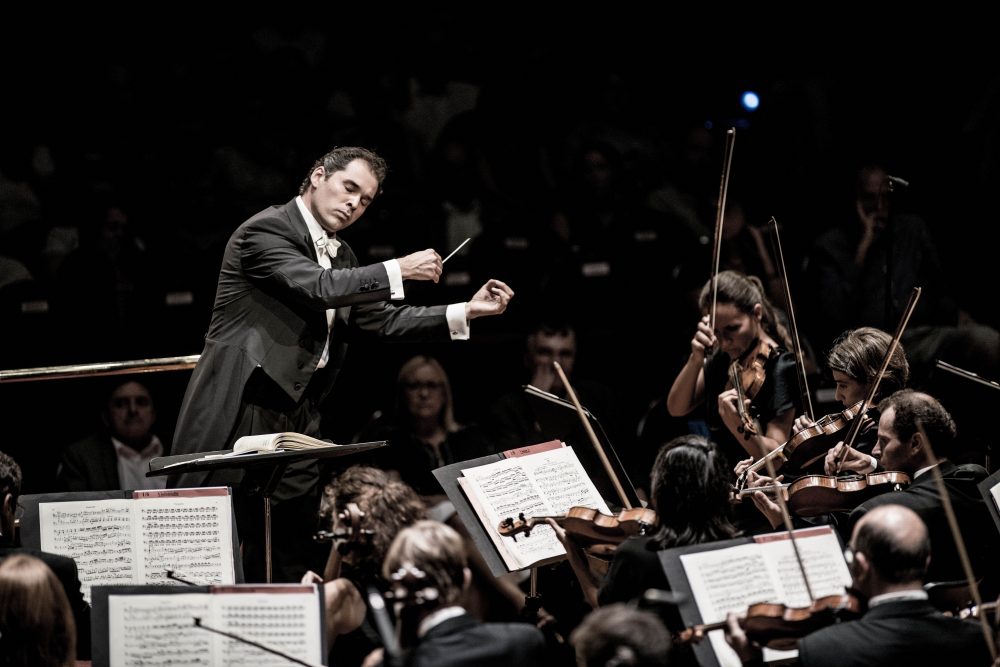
63,567
888,556
437,631
118,457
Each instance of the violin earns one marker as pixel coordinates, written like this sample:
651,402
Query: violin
810,443
778,626
747,380
588,526
813,495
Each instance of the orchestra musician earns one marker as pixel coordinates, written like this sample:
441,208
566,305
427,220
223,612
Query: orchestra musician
690,488
854,361
445,634
888,556
747,332
903,447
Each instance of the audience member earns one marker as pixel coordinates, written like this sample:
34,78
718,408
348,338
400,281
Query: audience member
847,269
119,456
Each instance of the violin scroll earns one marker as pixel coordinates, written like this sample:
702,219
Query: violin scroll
587,525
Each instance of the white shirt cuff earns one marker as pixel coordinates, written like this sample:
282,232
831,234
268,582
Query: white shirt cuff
395,279
872,463
457,324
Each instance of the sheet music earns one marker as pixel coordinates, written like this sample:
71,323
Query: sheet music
543,484
159,630
823,559
995,492
97,534
134,541
289,622
191,535
732,579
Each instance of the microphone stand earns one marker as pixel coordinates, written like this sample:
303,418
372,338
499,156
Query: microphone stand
262,647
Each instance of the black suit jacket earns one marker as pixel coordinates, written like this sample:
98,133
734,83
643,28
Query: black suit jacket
65,570
907,632
89,465
270,314
463,640
978,530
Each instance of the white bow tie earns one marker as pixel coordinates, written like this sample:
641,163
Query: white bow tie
325,244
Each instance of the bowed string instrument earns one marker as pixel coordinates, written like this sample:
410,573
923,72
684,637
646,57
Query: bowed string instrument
778,625
812,495
598,533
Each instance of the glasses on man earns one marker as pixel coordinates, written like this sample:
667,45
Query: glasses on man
417,386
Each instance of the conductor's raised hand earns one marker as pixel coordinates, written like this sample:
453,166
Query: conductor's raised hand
423,265
491,299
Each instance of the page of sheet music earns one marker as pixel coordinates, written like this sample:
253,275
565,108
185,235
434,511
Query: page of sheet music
190,534
543,484
288,621
822,558
97,534
732,579
159,630
995,492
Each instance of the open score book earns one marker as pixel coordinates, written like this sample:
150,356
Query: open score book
271,442
547,483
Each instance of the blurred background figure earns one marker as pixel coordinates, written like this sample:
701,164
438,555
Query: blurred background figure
621,636
117,457
36,623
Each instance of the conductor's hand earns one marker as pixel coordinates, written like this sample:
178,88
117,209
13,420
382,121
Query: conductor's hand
423,265
491,299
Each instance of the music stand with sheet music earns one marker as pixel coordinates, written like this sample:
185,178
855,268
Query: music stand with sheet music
989,488
972,401
559,420
102,618
262,472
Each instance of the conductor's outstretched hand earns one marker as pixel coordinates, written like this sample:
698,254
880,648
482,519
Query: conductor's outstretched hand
491,299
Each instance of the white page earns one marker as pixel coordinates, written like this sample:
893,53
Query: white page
283,617
548,483
995,492
159,630
188,531
97,534
732,579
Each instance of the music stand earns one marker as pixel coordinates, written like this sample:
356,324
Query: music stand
262,472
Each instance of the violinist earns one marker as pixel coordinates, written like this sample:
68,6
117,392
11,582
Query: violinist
442,633
887,555
854,362
387,506
902,447
747,332
690,492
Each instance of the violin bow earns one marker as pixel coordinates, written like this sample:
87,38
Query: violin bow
956,535
855,428
787,519
619,489
800,361
720,212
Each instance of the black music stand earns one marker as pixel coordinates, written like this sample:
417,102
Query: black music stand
262,472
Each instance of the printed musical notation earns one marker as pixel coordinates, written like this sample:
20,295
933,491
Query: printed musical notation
159,630
119,541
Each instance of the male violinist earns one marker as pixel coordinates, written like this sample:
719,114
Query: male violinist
888,556
903,447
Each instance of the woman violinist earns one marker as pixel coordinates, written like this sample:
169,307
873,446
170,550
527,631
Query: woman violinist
854,361
690,492
747,332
